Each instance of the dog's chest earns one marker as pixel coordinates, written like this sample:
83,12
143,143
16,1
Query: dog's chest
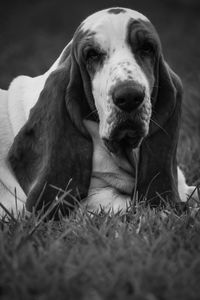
107,172
111,186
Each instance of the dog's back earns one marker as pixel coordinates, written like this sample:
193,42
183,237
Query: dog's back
9,187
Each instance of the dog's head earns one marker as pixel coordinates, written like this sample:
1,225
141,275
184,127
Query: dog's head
136,95
118,51
113,72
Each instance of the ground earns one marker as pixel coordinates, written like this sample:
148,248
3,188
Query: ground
144,255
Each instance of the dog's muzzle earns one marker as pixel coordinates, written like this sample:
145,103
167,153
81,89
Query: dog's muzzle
128,130
128,97
126,135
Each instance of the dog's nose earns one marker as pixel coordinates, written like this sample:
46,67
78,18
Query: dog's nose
128,98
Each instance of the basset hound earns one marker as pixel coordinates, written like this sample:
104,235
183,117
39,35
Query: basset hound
104,117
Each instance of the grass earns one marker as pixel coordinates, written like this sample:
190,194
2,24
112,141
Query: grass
146,254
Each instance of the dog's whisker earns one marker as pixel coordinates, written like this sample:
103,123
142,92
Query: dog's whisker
156,86
91,113
156,123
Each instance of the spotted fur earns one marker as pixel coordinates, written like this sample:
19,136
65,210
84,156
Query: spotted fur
64,127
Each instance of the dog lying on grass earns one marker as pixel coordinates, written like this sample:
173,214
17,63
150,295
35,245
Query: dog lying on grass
101,125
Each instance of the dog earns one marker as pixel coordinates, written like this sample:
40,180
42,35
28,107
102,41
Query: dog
102,122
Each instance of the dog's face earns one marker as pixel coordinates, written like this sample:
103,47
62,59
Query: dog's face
113,65
119,48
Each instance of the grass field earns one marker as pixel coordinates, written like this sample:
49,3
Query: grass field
142,256
145,255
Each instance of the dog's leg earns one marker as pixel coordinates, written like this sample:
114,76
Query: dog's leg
185,191
107,200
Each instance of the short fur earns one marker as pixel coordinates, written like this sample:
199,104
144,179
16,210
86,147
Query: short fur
45,151
54,133
158,164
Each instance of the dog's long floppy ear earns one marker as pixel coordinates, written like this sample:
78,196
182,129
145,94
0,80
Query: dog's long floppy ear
158,166
51,149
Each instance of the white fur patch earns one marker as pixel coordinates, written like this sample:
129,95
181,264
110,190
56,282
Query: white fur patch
184,190
96,20
8,182
106,199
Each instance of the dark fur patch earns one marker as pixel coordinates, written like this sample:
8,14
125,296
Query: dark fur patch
116,11
46,151
139,34
158,152
65,55
81,34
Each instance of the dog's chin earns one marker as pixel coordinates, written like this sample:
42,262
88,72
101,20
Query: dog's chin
122,148
126,135
122,142
122,152
118,147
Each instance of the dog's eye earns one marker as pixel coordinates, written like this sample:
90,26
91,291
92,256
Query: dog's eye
147,49
92,55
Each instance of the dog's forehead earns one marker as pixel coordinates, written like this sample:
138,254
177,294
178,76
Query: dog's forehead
111,23
114,17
